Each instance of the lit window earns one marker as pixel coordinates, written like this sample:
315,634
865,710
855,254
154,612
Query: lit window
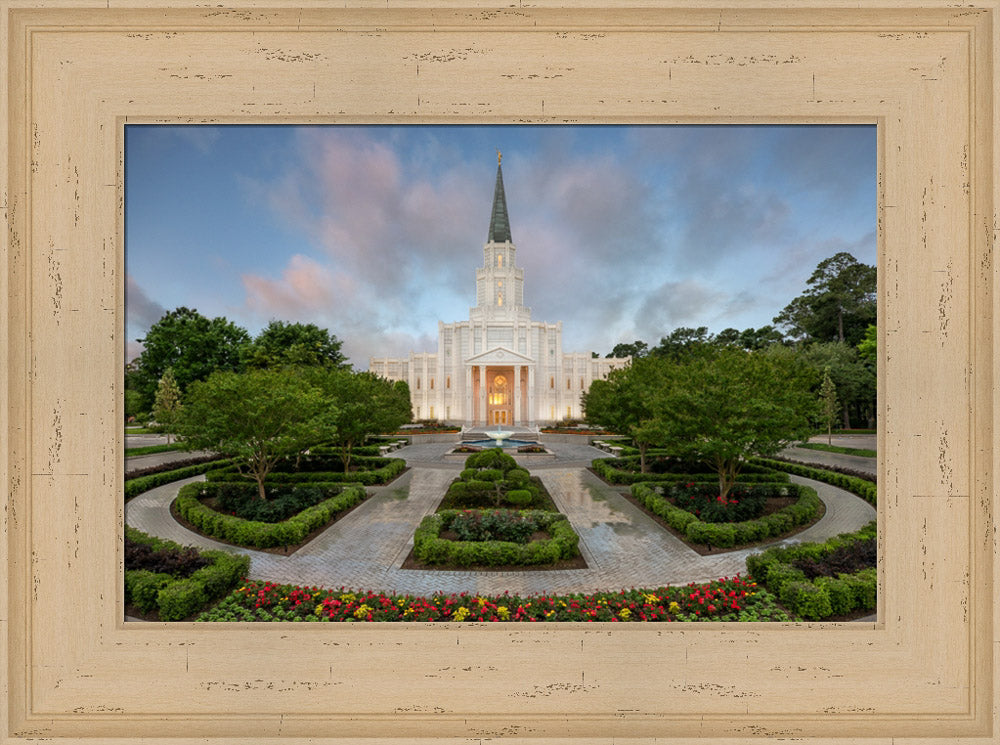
567,412
552,382
418,384
432,412
567,384
447,382
432,388
500,261
581,384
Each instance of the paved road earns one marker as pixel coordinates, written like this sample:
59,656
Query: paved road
622,545
858,463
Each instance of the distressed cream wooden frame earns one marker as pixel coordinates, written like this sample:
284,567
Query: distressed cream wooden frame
75,71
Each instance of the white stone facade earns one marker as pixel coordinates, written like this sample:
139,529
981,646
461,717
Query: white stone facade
499,367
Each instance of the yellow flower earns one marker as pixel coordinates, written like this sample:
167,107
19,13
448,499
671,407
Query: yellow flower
673,606
362,611
503,613
347,597
460,614
624,614
319,609
650,598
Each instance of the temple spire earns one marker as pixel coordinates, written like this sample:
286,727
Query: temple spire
499,222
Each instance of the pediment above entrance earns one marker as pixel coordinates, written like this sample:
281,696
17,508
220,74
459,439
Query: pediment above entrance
500,356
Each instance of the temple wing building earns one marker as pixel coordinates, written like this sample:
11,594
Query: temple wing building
499,367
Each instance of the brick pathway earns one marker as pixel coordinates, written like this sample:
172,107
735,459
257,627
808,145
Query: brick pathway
623,547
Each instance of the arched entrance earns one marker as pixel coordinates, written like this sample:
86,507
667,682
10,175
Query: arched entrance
499,396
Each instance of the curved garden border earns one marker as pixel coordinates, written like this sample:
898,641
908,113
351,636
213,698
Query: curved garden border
731,535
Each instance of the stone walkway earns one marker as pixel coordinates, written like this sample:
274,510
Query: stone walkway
623,547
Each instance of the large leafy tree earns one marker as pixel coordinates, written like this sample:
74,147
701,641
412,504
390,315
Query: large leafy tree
838,305
192,345
629,402
281,343
635,349
724,407
257,417
829,405
362,404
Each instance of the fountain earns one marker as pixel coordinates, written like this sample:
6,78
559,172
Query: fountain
498,437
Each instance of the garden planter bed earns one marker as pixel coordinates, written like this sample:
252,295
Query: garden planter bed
282,537
783,517
370,471
432,547
625,470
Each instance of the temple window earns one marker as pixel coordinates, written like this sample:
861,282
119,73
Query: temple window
552,382
567,384
447,382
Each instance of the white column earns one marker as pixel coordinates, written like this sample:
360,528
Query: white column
469,416
482,394
532,414
517,395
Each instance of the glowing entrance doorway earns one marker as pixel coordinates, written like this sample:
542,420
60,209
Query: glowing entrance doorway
499,400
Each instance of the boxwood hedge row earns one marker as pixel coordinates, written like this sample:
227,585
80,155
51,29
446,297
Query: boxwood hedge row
821,597
727,535
382,471
254,534
175,598
864,489
141,484
430,548
619,471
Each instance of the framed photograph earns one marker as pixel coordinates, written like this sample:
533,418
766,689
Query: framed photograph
74,77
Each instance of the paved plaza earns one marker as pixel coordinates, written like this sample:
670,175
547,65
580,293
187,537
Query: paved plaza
623,547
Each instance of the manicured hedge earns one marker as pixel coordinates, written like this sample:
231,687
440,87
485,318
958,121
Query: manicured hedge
823,596
174,598
383,471
430,548
138,485
727,535
611,470
254,534
864,489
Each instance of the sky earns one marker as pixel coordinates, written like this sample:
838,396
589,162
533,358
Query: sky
375,232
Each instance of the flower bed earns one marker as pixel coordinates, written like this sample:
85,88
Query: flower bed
731,534
625,470
430,547
823,596
370,471
170,590
257,534
726,599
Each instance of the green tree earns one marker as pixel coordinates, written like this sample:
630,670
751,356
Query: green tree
853,377
362,404
729,405
868,346
281,343
635,349
829,406
628,403
167,404
682,342
838,305
193,345
258,417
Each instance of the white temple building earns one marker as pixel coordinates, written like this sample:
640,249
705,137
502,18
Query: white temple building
499,367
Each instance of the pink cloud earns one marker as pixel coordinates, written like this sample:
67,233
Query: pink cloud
305,290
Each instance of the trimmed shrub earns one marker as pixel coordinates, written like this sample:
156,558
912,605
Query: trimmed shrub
256,534
491,458
382,470
519,497
430,548
806,599
140,484
177,598
864,489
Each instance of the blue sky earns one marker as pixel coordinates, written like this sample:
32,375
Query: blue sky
375,232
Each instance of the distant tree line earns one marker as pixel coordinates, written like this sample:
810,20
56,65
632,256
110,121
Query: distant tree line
830,328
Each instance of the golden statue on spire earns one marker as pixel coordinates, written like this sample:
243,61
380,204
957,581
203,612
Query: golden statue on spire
499,156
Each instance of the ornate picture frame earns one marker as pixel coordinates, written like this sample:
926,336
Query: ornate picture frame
76,72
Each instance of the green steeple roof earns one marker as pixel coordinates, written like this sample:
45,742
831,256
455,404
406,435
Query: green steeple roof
499,222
